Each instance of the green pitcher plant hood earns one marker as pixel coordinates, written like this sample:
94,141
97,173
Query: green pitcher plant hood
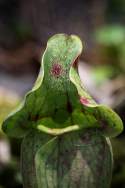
58,102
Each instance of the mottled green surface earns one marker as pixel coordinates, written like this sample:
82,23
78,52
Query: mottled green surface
72,160
56,105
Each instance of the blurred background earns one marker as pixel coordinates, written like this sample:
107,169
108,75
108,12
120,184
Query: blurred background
25,26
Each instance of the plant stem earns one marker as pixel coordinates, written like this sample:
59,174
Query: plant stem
72,160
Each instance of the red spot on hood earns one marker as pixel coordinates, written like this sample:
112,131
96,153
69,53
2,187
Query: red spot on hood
84,100
56,70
